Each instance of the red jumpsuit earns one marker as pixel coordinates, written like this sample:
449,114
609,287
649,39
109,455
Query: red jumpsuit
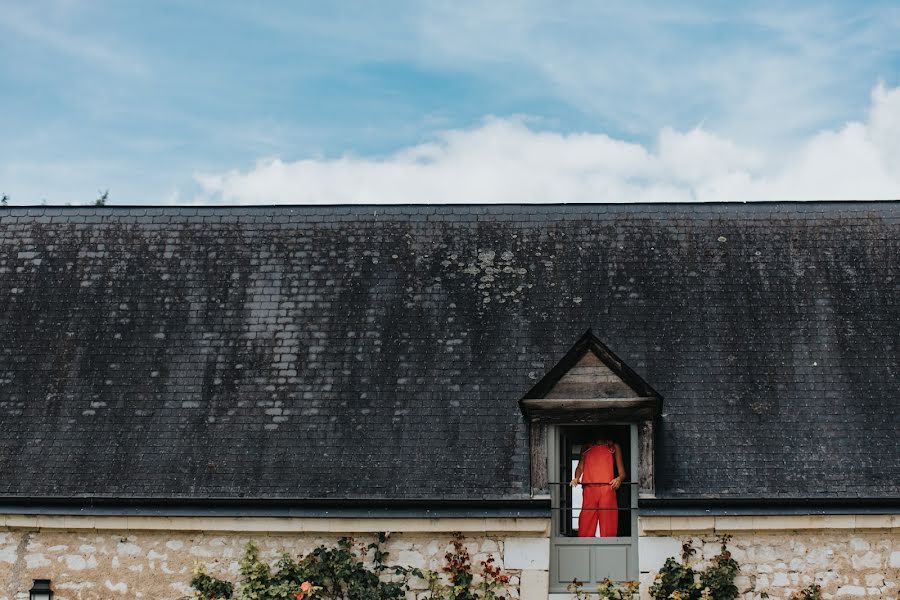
598,463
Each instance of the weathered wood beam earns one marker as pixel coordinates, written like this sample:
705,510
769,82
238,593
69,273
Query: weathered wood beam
589,410
646,458
539,477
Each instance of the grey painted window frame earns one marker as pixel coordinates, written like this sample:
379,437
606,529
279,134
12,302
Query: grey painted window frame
629,543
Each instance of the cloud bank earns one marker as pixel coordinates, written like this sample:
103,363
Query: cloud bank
511,160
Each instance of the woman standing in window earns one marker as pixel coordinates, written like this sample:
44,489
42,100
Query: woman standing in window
596,475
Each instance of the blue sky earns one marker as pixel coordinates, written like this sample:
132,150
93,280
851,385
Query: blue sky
208,102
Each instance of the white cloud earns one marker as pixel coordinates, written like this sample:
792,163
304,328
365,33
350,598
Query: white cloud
767,72
506,160
764,72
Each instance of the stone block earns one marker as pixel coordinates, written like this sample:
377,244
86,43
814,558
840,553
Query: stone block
895,560
526,553
411,558
873,521
693,524
869,560
653,551
780,522
851,591
650,525
733,523
832,521
534,585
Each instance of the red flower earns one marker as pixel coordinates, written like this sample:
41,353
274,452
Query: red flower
304,588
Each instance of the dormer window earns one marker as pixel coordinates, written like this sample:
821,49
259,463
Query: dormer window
594,410
591,505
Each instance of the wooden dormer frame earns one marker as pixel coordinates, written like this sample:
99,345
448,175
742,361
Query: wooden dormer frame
645,404
641,405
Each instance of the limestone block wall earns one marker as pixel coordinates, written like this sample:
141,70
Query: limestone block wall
847,562
89,564
152,558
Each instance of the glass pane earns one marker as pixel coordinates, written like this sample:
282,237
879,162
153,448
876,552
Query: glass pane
576,499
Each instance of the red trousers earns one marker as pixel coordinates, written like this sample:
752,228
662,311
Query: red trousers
601,497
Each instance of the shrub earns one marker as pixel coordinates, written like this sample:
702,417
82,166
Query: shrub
607,590
210,588
719,576
672,578
677,581
342,573
461,584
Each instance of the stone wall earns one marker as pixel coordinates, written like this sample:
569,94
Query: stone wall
88,565
153,558
846,563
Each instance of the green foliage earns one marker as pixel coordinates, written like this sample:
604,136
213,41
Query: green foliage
338,574
343,573
719,576
677,581
607,590
493,581
812,592
461,584
102,199
674,577
210,588
4,201
459,569
254,574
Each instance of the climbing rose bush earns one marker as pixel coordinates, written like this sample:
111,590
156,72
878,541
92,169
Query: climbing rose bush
348,572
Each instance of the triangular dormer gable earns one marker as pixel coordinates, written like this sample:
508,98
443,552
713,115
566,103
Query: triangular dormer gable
591,384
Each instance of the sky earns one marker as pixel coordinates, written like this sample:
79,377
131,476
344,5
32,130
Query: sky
217,102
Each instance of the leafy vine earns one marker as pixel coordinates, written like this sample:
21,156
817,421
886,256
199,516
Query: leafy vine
349,572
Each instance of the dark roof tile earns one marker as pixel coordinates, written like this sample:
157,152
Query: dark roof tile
380,351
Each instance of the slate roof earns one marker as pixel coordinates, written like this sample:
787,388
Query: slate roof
377,352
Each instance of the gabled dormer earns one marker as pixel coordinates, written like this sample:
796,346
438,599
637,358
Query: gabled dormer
590,395
590,384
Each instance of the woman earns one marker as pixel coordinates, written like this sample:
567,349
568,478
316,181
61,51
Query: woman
595,473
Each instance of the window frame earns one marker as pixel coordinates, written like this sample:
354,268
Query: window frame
629,543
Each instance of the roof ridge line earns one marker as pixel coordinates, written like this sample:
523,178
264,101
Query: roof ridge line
693,203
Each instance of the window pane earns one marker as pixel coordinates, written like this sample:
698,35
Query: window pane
576,499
